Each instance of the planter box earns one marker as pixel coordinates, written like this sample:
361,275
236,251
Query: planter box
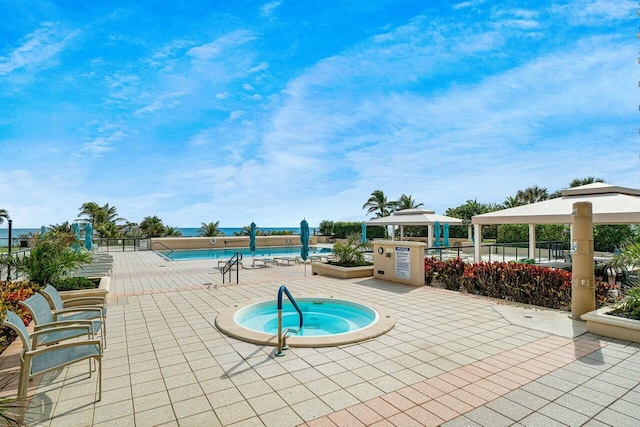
600,323
323,269
100,292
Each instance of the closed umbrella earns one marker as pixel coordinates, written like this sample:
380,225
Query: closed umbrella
436,233
42,231
364,233
76,234
445,235
304,240
252,238
88,236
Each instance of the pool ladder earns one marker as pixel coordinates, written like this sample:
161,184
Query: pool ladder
282,334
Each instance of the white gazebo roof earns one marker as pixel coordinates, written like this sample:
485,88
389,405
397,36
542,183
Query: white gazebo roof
611,205
414,217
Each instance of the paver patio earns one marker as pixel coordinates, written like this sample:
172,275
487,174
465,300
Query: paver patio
451,359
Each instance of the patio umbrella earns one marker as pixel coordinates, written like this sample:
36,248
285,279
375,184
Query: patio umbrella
364,233
304,239
76,232
436,233
252,238
445,235
42,231
88,236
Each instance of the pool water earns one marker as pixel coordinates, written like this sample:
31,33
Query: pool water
322,316
190,254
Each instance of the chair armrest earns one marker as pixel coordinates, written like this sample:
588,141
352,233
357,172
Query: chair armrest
78,309
86,300
62,324
62,346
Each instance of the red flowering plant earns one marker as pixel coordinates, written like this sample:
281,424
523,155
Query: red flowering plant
11,292
429,270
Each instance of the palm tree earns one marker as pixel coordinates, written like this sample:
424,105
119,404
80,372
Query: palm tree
379,204
3,215
64,228
108,230
577,182
91,210
152,226
172,231
407,202
492,207
99,214
210,229
511,202
532,195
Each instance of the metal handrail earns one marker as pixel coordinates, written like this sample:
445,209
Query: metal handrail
282,335
235,260
163,245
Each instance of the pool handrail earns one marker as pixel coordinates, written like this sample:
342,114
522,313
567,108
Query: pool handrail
235,260
282,335
163,245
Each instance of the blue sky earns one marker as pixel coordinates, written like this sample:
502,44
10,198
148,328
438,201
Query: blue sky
271,112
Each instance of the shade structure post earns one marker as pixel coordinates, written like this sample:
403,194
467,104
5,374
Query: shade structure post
583,294
532,241
477,240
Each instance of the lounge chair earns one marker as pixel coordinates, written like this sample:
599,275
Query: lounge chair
45,319
36,360
287,259
264,261
83,308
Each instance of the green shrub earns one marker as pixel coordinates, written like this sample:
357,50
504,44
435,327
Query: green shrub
629,307
73,284
349,253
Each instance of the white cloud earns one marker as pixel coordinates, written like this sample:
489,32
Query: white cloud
596,12
216,48
267,9
37,50
260,67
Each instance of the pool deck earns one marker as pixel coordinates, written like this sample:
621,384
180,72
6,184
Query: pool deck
452,360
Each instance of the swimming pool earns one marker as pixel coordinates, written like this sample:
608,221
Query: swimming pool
190,254
322,316
328,321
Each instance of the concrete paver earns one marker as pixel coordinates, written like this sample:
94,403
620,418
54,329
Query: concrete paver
451,359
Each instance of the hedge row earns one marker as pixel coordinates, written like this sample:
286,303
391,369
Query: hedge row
523,283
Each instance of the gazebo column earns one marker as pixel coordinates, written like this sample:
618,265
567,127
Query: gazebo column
477,228
532,241
401,232
470,232
430,240
583,295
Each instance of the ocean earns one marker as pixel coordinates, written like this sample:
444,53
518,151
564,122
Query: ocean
186,231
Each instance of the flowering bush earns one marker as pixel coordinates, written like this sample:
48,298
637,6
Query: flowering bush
10,294
524,283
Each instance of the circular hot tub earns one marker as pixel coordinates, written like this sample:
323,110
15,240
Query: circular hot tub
326,322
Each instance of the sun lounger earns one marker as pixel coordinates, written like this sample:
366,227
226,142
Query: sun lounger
264,261
287,259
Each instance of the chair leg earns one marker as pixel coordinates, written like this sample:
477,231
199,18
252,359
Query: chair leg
23,385
99,361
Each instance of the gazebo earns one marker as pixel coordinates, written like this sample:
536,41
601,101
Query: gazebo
611,205
418,217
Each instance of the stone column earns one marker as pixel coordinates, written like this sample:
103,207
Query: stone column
583,294
477,228
532,241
